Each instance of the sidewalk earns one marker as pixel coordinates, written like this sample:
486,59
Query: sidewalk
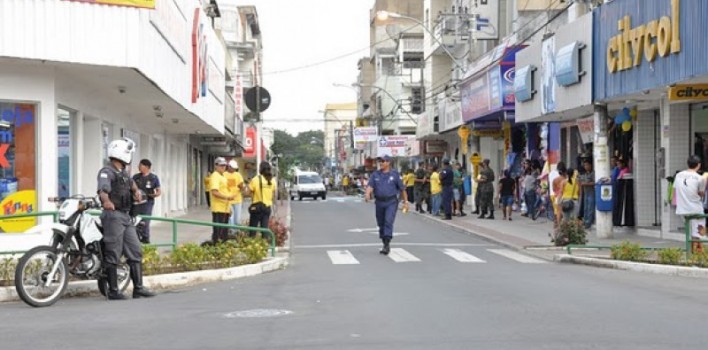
534,236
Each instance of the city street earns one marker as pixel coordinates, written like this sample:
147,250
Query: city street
438,289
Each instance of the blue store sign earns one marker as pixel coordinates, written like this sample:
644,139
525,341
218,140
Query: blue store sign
644,44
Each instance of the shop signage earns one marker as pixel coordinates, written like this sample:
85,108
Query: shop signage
21,202
486,19
148,4
568,65
450,116
238,96
662,36
474,97
169,21
395,146
586,126
200,64
688,92
366,134
523,83
435,147
249,143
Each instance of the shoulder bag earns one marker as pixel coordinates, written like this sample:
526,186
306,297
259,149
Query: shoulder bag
259,207
569,204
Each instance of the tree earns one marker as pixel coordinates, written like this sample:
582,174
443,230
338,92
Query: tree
305,150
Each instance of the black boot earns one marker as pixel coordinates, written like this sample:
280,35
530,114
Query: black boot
386,246
481,216
491,215
113,292
136,274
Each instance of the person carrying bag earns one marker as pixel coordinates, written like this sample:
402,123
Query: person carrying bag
263,188
569,194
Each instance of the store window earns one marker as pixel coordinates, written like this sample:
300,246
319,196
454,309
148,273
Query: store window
18,190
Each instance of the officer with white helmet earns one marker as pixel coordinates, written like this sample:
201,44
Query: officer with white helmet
117,192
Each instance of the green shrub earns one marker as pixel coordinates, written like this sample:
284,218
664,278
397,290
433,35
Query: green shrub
7,271
571,232
189,257
153,263
670,256
628,251
700,259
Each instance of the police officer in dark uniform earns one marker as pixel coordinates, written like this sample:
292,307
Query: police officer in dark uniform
117,191
446,179
384,185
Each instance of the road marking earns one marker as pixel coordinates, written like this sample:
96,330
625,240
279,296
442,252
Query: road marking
461,256
342,257
516,256
401,255
375,229
354,245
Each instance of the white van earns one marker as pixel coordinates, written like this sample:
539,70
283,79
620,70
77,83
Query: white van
307,184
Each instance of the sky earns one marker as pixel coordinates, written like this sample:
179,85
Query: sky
298,36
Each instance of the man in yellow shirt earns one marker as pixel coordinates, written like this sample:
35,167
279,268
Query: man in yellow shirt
220,198
263,187
409,181
207,188
236,186
435,191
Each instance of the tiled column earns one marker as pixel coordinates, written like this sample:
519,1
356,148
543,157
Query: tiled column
644,168
675,139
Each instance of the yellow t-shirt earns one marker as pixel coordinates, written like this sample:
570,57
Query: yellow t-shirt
435,184
268,190
234,181
409,180
345,181
571,191
218,182
207,182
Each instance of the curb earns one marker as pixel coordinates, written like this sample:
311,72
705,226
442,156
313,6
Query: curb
168,281
681,271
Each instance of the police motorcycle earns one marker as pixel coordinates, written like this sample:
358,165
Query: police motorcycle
75,250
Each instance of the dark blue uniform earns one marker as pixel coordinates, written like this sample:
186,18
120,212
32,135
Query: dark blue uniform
387,187
446,179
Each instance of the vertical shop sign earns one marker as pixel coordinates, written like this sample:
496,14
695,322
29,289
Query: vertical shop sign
200,64
548,74
249,143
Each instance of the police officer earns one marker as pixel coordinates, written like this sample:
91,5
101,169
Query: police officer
117,191
446,179
486,190
385,185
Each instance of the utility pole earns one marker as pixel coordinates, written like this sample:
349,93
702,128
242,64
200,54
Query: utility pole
603,219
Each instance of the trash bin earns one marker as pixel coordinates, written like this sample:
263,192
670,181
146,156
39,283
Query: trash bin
603,196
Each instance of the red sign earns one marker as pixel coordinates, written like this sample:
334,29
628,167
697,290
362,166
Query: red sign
199,58
249,143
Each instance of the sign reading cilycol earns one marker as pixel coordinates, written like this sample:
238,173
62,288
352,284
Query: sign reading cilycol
148,4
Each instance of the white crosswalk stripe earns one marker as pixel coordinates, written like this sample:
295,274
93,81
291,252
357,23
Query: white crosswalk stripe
462,256
342,257
516,256
401,255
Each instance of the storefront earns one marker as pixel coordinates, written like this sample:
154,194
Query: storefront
659,77
487,108
65,96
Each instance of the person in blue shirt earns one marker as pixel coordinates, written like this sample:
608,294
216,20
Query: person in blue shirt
446,179
384,187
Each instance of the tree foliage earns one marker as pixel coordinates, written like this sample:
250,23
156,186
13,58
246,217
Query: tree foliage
305,150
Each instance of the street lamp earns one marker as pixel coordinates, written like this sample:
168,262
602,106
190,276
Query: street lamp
384,15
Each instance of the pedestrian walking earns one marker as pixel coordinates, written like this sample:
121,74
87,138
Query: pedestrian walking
458,190
384,186
447,178
149,183
220,198
689,188
507,192
486,190
236,186
117,191
529,182
409,181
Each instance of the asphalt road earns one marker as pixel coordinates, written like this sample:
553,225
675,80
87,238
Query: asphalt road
442,290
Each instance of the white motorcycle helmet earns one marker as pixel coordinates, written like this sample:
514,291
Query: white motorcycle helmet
122,150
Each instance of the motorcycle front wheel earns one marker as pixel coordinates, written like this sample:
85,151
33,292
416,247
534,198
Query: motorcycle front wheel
123,279
32,281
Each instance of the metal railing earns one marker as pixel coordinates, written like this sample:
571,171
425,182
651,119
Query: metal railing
173,221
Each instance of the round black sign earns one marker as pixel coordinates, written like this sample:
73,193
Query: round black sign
257,99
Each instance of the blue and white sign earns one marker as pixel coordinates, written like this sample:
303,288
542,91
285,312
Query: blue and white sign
486,21
523,83
568,65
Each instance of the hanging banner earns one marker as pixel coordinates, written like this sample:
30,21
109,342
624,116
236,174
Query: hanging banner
366,134
249,143
148,4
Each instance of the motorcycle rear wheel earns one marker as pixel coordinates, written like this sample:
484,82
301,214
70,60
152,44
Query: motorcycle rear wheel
123,280
32,273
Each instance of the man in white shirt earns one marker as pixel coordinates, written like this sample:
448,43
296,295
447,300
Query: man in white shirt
690,189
